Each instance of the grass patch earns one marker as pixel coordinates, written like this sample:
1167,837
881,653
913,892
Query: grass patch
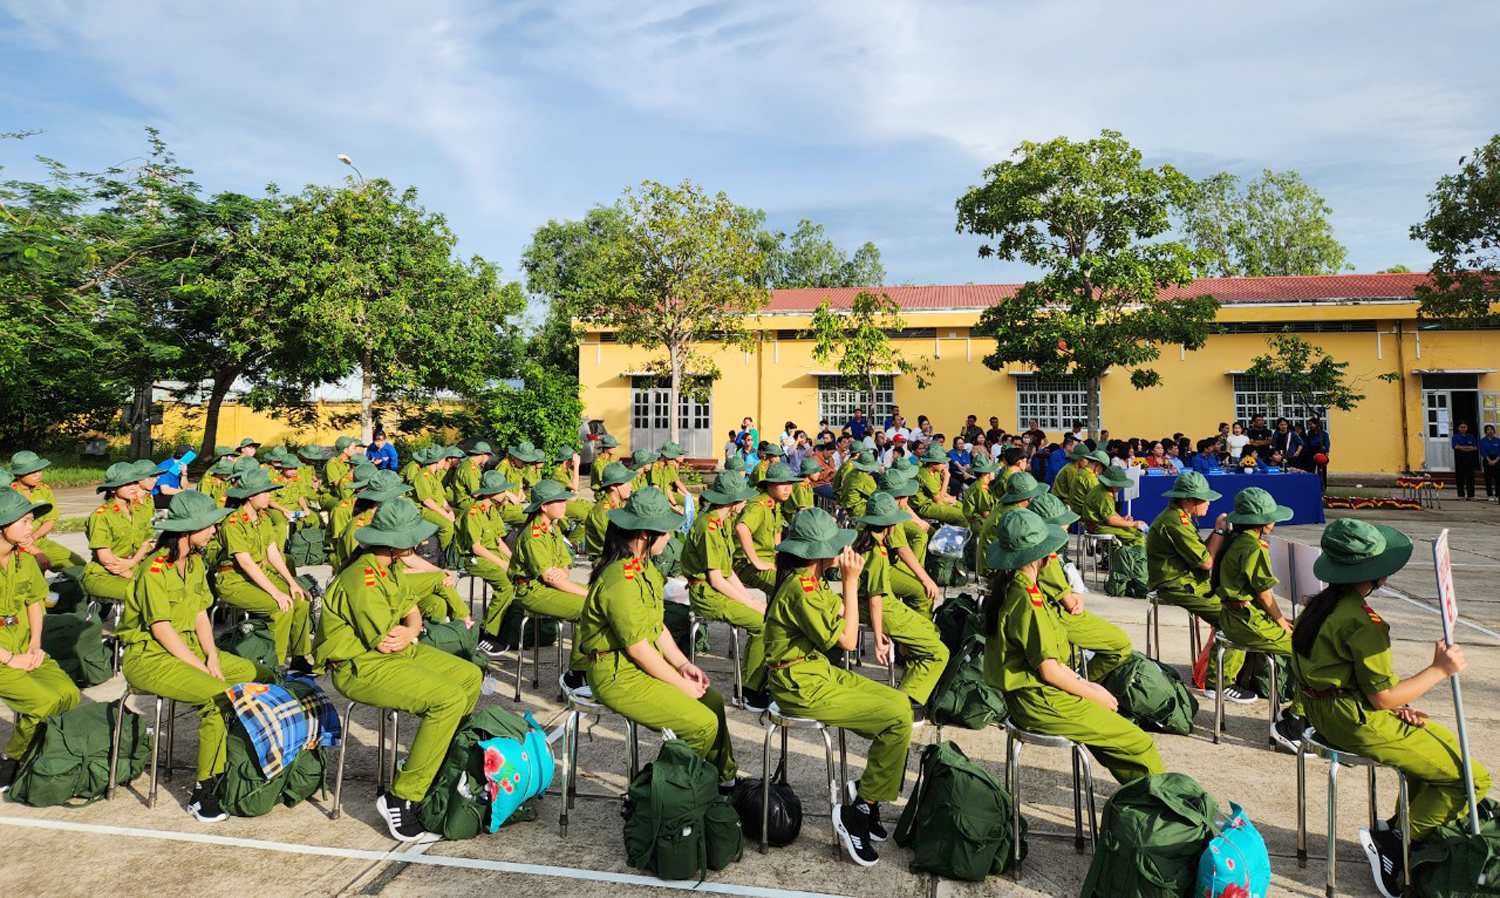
69,469
71,525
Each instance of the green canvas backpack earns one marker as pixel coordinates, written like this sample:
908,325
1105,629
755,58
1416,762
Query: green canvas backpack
957,619
1127,572
957,821
945,571
455,639
510,628
677,826
456,805
963,696
75,640
1152,695
1151,836
305,547
1452,862
68,764
678,621
68,586
245,792
250,639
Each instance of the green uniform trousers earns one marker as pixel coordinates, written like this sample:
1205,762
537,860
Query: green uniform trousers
840,698
1126,536
103,586
161,674
765,581
551,602
440,688
292,629
1254,629
945,514
711,604
1207,608
925,657
445,527
917,538
513,515
637,696
578,511
502,591
436,600
58,555
34,695
1108,642
910,590
1121,746
1428,755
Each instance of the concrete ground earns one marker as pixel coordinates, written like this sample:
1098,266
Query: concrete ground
125,848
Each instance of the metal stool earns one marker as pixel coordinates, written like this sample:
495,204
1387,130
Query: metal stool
1312,744
1153,631
1222,644
773,719
695,623
536,650
858,656
114,746
385,773
579,705
1092,541
480,590
1083,775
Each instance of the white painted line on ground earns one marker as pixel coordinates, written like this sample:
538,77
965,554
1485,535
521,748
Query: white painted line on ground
1432,608
415,856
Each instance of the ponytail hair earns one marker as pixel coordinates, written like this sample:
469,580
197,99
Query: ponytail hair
999,585
1310,621
865,541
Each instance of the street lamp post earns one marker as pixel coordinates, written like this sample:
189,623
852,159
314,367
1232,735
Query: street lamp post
350,162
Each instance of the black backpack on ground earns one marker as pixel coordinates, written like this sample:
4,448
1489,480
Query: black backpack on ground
784,821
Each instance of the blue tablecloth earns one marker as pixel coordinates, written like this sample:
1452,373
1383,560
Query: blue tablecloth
1298,491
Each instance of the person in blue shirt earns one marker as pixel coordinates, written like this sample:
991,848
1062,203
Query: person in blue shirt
169,481
381,453
1314,444
1059,457
1489,461
1465,460
959,459
858,425
1206,460
1286,439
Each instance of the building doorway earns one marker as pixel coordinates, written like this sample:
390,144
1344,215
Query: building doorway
650,425
1447,399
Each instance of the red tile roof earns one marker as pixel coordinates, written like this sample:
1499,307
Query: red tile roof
1330,288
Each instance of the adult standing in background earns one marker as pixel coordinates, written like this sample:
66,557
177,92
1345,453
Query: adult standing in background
1315,448
858,425
1489,461
1286,439
995,433
1259,436
381,453
897,428
788,436
894,419
1037,435
970,431
1465,460
1236,442
747,425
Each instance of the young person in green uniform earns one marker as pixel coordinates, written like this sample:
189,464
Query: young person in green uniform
1179,563
1074,482
892,621
463,478
31,684
715,591
1084,628
247,447
1341,655
977,499
338,471
908,540
1021,490
859,482
633,666
802,493
481,532
735,464
758,529
1013,461
143,507
430,496
1251,616
566,473
768,452
253,575
542,560
933,500
115,541
668,477
294,504
1027,654
1099,514
367,636
642,462
342,513
217,479
604,453
27,468
168,640
380,486
613,486
804,619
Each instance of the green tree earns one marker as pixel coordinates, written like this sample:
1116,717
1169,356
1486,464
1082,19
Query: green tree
1084,213
1307,374
857,342
678,275
560,254
1463,229
1276,225
808,258
1395,269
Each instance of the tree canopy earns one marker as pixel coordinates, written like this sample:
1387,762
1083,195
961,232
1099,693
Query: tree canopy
808,258
1275,225
1088,214
857,341
1463,229
1307,373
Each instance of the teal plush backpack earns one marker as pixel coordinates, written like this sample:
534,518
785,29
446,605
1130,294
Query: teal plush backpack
515,771
677,826
457,805
1236,864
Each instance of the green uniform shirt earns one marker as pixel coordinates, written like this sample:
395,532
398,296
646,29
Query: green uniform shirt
800,498
40,493
409,473
856,490
215,486
292,489
623,607
875,579
708,547
1352,651
928,484
348,545
596,525
1053,581
1028,634
21,585
763,516
1175,554
482,526
803,620
141,511
339,517
539,547
563,475
463,481
1098,505
976,505
112,527
337,477
596,471
428,486
1245,569
239,533
165,591
363,604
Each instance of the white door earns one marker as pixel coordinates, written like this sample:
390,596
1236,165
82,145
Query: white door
1489,411
651,426
1437,429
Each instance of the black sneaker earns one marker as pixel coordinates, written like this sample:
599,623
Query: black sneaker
1383,849
300,666
576,683
1287,733
7,773
489,646
756,700
204,803
918,718
1235,694
852,823
400,817
877,830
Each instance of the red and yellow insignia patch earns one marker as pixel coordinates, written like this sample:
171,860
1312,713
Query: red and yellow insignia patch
1035,594
809,584
882,550
1374,618
1184,517
1265,545
369,576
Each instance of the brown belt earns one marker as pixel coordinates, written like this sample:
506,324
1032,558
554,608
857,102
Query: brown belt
786,664
1322,693
595,656
1236,606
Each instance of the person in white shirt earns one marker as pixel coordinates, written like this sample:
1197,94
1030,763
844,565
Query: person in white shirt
1236,441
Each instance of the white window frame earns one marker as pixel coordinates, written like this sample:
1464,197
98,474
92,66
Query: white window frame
839,396
1260,396
1053,402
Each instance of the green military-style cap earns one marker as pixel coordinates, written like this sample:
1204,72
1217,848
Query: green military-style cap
275,454
26,462
728,488
1082,451
897,484
1114,478
453,452
1356,551
492,483
809,467
384,486
769,448
190,511
882,511
1020,487
312,454
1255,507
342,443
564,454
480,447
1021,538
934,455
14,507
545,493
248,442
1052,510
287,461
983,463
252,484
646,509
145,469
615,474
815,535
779,472
735,463
527,454
222,468
241,467
865,461
428,455
672,451
222,451
640,458
396,525
1191,485
903,463
606,441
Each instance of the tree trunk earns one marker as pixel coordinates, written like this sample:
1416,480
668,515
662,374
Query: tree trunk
222,382
1095,425
140,420
367,395
674,393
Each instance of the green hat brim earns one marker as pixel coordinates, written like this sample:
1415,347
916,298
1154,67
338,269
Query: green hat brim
1114,483
670,454
817,550
608,442
605,482
714,497
117,483
1000,559
379,496
1203,495
869,467
193,523
1067,518
1398,549
36,510
1011,497
879,520
628,520
930,459
484,492
23,470
240,492
535,505
406,538
481,448
904,489
1282,513
790,478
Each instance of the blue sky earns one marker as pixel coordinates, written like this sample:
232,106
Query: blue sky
871,117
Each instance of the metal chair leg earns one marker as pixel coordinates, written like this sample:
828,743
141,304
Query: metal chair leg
338,778
835,800
171,736
1275,698
1302,805
155,751
1077,803
1331,875
1013,772
1218,690
765,783
739,667
569,723
114,747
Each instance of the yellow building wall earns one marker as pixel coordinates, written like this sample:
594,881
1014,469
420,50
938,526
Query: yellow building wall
775,383
238,422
